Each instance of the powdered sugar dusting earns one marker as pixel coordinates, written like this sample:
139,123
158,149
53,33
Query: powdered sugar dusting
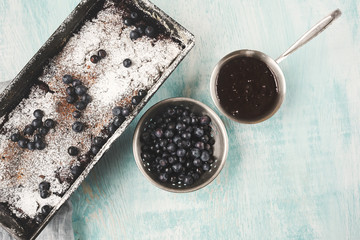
109,84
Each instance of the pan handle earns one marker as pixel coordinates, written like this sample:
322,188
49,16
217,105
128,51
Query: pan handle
313,32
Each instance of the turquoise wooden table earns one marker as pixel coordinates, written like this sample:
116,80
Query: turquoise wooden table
295,176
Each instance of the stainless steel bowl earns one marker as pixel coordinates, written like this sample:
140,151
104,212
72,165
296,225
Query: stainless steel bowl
221,146
272,65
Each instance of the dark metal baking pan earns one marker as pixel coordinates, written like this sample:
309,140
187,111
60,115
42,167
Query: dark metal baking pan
27,77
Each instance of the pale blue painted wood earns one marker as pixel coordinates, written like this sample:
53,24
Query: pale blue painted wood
295,176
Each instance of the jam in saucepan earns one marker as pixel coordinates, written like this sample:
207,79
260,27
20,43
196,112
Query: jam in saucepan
247,89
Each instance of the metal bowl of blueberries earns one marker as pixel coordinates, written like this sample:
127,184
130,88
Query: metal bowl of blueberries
180,145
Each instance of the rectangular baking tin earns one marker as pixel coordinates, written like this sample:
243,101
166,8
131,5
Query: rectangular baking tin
20,87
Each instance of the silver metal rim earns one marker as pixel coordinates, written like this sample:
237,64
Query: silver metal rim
274,67
214,117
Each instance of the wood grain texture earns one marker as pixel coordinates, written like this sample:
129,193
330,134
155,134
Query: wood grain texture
295,176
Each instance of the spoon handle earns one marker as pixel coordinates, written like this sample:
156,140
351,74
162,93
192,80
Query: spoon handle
313,32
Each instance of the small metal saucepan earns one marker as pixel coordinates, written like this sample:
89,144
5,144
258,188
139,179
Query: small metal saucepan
272,65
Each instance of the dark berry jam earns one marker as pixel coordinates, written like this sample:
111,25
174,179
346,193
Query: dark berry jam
247,89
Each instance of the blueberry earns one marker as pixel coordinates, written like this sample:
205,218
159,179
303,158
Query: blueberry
116,111
176,139
188,180
150,31
125,112
40,145
84,159
127,63
181,177
39,218
145,156
171,147
197,162
189,165
36,123
80,90
95,149
195,152
198,132
205,138
67,79
80,105
38,114
76,82
94,58
163,143
44,186
205,156
31,146
46,209
200,145
186,143
186,120
172,159
206,167
141,30
163,162
177,167
49,123
70,91
195,176
118,121
189,129
15,137
186,135
173,179
86,98
180,126
98,141
135,100
102,53
164,177
44,194
179,110
73,151
169,133
112,128
78,126
23,143
145,136
171,125
76,170
76,114
168,170
194,120
199,171
205,120
142,93
71,99
128,22
159,132
181,152
134,35
43,130
211,141
134,16
37,138
171,111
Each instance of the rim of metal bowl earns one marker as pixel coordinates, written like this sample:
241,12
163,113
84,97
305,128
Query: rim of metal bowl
272,65
215,119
